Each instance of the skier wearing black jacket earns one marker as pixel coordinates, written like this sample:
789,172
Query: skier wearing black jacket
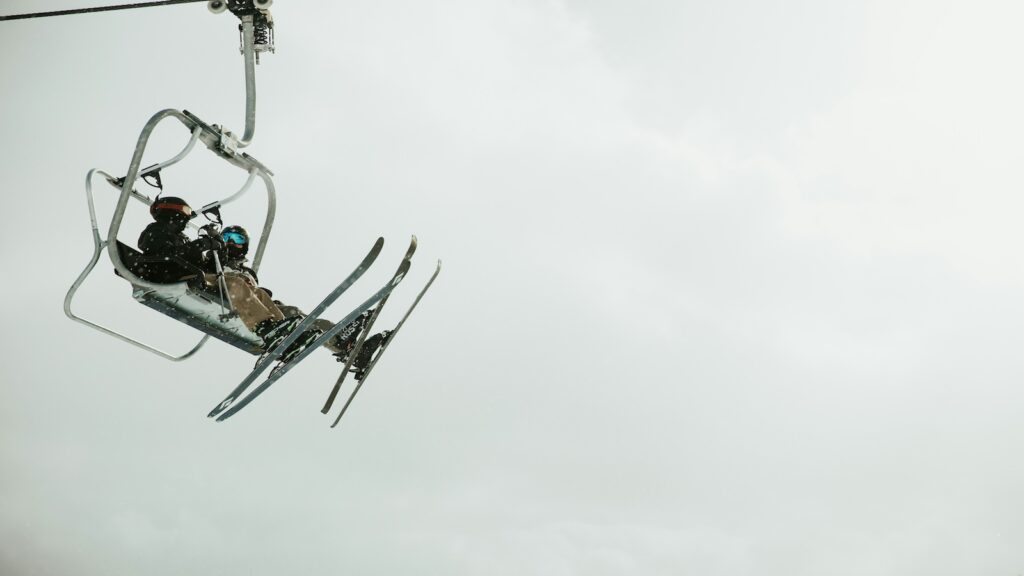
182,259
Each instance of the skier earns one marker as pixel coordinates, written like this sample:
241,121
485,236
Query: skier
252,303
172,257
236,246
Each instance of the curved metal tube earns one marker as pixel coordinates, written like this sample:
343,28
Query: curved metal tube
188,148
248,54
126,192
236,195
268,223
98,245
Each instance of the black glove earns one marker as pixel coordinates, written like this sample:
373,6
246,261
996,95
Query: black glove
212,243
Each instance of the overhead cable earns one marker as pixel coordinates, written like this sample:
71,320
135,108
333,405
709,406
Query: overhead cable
96,9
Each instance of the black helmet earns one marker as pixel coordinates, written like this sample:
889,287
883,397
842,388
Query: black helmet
167,207
236,239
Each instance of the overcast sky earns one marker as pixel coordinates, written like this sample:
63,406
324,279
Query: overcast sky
730,288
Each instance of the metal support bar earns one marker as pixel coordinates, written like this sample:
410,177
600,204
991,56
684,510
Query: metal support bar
233,197
249,56
188,148
268,222
227,307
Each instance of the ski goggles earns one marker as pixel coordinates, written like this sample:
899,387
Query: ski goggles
234,238
179,208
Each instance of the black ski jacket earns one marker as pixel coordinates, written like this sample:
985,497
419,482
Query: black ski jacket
181,256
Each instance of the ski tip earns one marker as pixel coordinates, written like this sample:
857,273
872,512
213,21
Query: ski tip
220,407
225,415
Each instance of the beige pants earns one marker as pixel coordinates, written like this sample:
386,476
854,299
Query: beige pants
321,323
252,303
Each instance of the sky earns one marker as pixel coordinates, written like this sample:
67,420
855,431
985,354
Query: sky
729,288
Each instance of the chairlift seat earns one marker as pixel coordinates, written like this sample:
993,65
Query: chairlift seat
191,302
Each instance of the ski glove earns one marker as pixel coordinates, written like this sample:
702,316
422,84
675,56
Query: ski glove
212,243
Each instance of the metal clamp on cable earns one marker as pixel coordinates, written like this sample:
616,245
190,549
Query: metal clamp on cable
254,13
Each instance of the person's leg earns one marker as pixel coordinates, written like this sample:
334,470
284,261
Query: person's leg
269,304
250,309
341,343
322,324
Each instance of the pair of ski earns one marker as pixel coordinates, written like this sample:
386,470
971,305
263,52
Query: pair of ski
235,402
365,331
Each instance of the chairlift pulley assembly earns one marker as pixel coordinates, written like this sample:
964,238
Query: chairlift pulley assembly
255,12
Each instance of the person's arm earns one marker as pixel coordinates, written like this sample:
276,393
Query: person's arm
159,241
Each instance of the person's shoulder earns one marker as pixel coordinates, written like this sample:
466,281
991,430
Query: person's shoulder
250,272
156,227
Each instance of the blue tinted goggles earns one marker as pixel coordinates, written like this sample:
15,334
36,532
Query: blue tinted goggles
234,238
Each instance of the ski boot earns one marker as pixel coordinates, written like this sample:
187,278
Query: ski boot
273,332
365,356
343,341
300,344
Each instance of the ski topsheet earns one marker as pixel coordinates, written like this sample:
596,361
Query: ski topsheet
283,369
306,323
384,347
354,353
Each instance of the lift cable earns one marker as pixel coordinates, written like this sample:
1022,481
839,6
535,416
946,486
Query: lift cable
96,9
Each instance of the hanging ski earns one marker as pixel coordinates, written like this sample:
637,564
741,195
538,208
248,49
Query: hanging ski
354,353
360,379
